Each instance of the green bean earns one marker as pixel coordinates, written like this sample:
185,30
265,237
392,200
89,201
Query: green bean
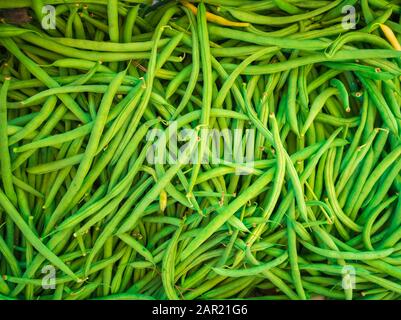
231,79
317,58
287,7
357,255
183,74
354,161
80,64
122,212
32,238
89,210
56,139
26,187
10,258
90,151
226,213
307,171
5,160
78,27
311,105
125,296
207,89
374,176
85,54
368,72
268,41
332,196
357,36
137,246
269,20
68,89
168,266
97,78
148,82
45,78
291,113
380,103
36,122
373,214
292,254
161,183
385,185
56,165
277,184
103,46
112,18
12,31
343,93
316,107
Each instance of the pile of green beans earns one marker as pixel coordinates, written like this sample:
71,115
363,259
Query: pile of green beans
85,215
